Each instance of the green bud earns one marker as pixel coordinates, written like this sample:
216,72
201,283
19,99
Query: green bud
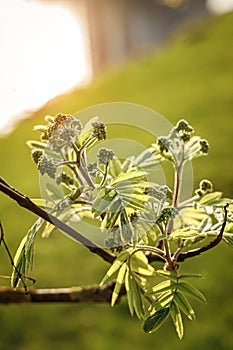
155,193
184,126
36,155
167,191
163,143
167,214
199,192
134,217
206,185
47,166
185,137
204,146
105,155
99,130
64,178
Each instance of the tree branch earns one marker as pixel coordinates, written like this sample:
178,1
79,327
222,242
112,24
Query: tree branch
26,203
87,294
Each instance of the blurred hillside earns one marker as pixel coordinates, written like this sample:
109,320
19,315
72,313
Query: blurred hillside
191,77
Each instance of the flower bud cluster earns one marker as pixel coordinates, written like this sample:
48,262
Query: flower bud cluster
63,131
162,192
167,214
167,191
99,130
47,166
104,155
155,193
184,130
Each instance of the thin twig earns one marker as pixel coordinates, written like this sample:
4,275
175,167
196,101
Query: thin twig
208,246
26,203
191,253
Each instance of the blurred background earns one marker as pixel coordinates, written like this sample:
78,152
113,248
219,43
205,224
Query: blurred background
172,56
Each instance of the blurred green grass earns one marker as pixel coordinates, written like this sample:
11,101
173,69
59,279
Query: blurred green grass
190,77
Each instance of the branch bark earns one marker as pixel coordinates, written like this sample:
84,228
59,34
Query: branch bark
26,203
93,294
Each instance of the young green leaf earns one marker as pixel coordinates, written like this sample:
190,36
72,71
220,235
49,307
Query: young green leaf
133,202
229,228
192,291
43,203
129,291
113,214
116,265
162,287
48,229
163,300
210,198
184,233
36,144
87,131
115,167
128,176
118,284
184,305
139,263
54,192
23,259
137,298
154,322
148,159
228,240
102,204
19,262
177,319
190,276
167,274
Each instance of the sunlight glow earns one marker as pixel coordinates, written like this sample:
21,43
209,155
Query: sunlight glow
42,54
220,6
